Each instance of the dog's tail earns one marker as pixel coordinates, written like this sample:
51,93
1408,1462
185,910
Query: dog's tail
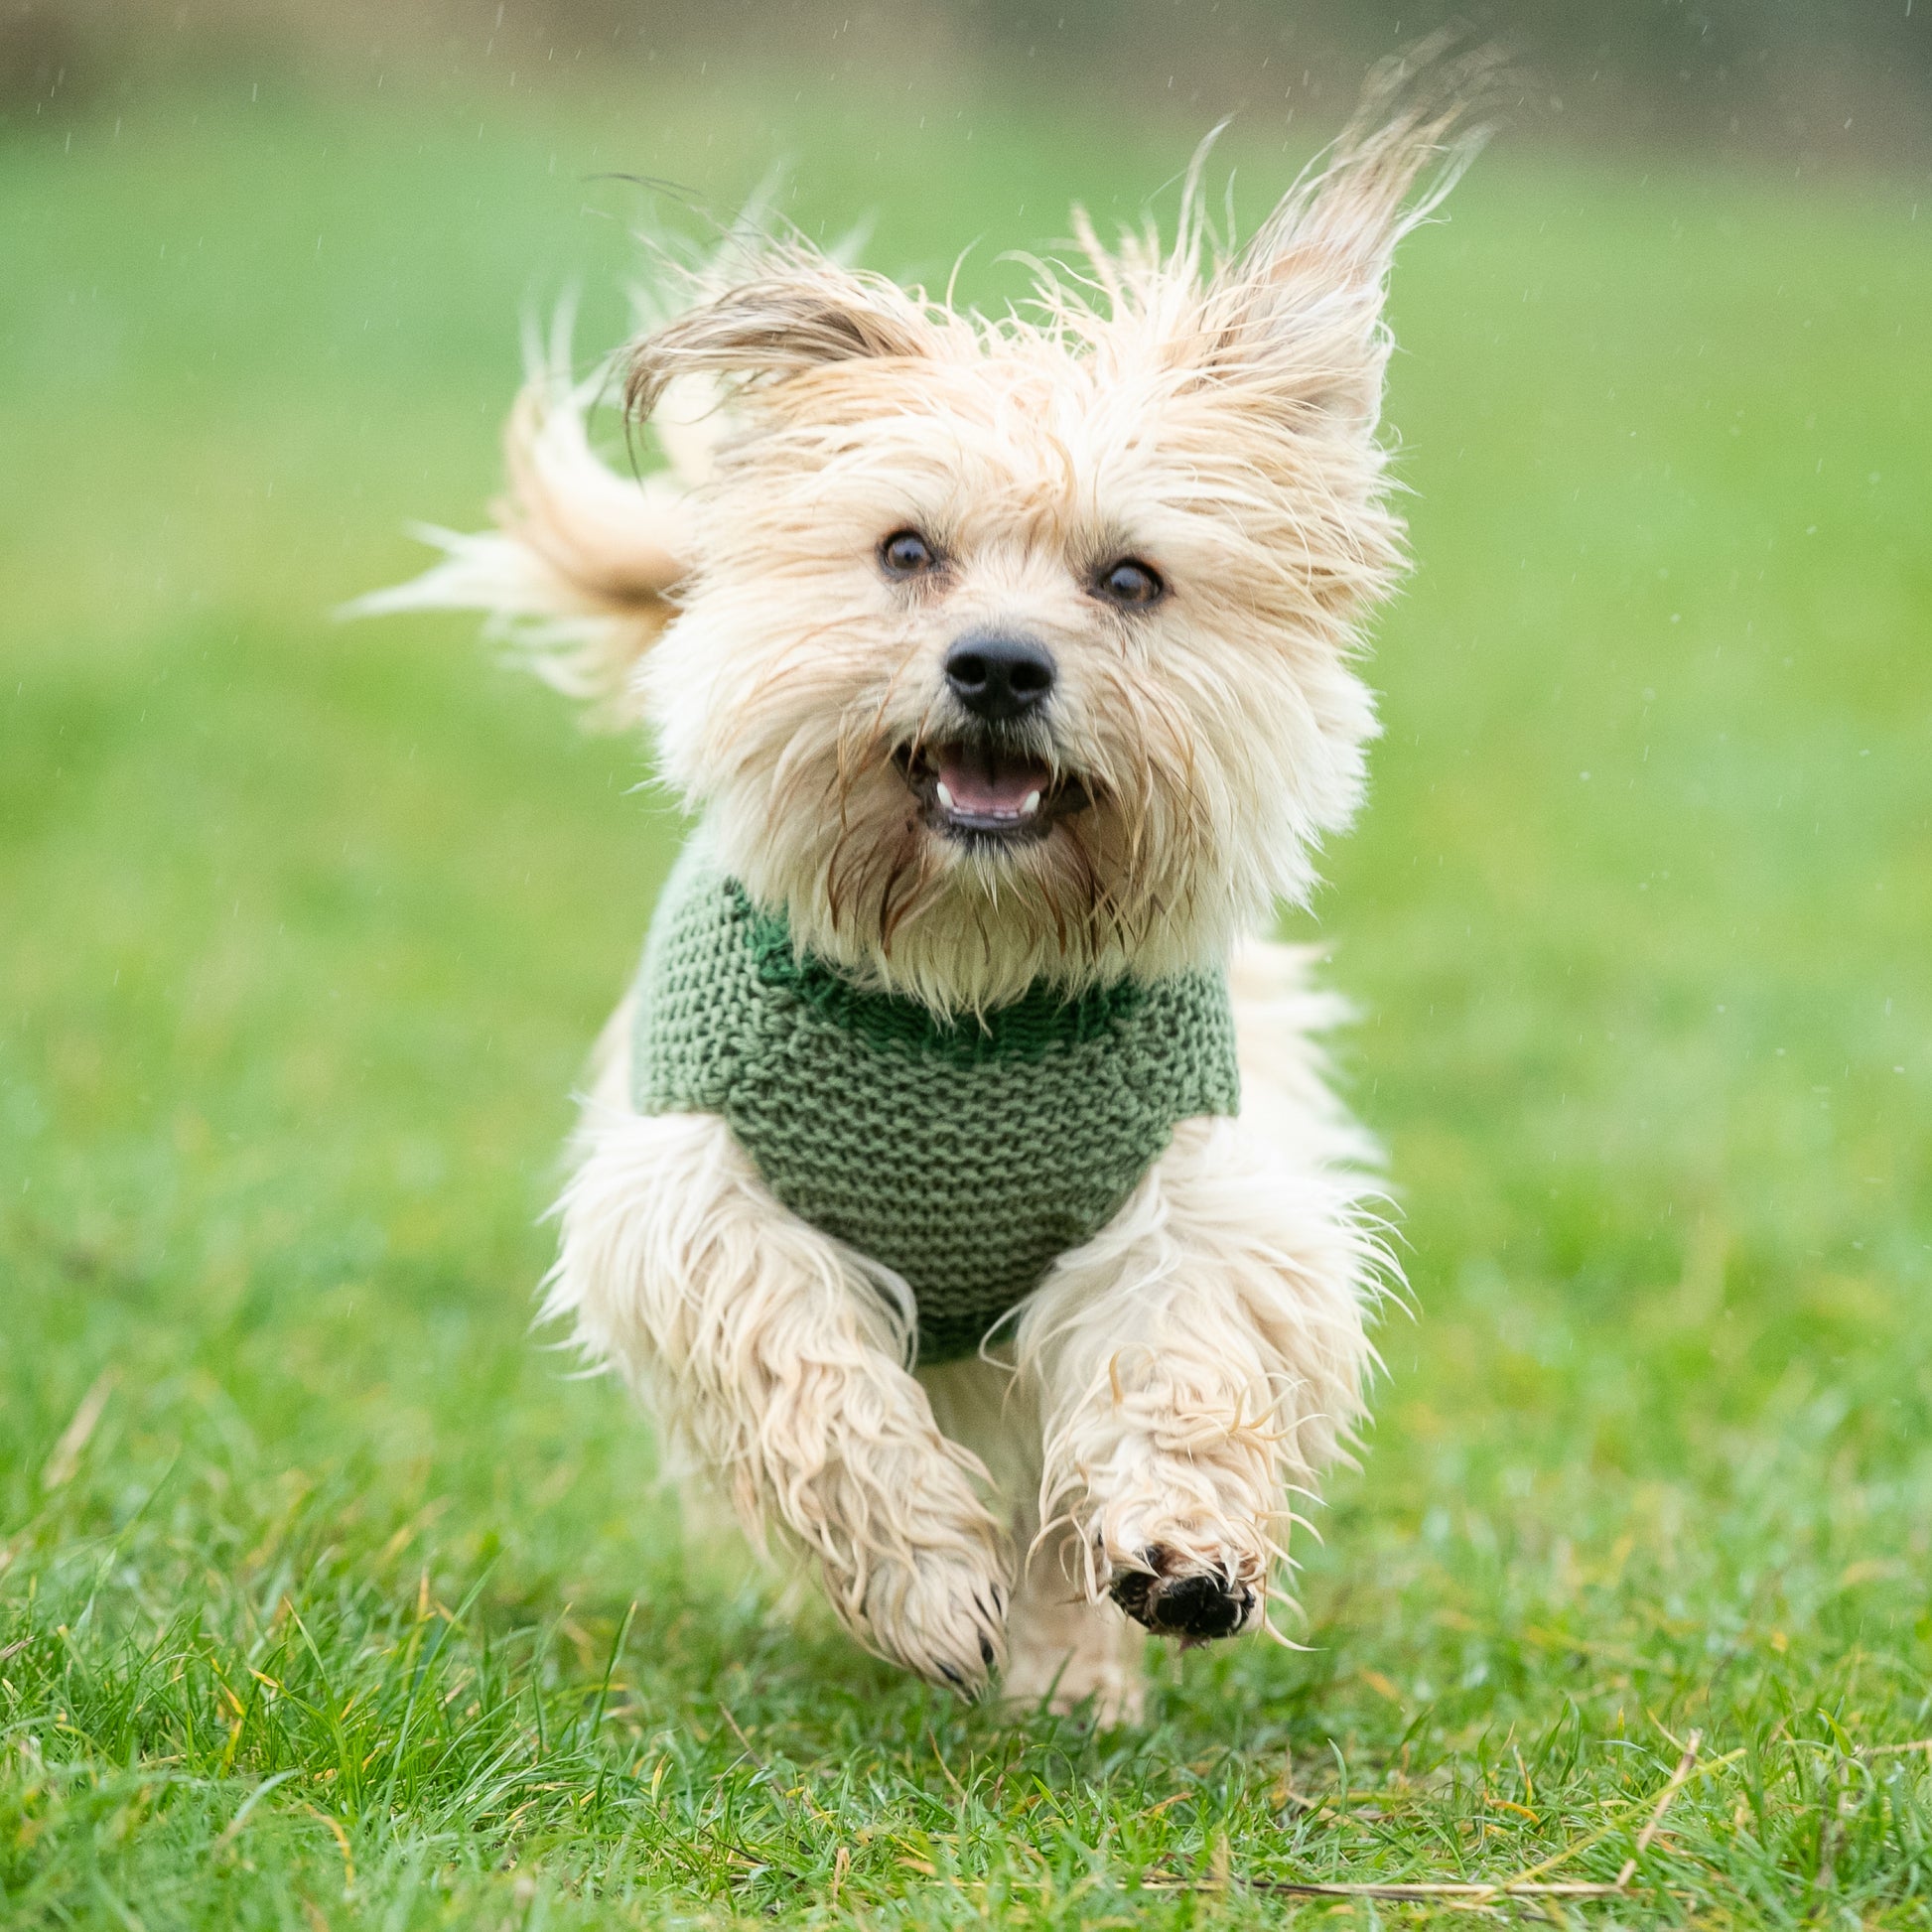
582,571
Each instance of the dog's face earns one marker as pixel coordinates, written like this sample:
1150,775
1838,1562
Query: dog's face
1022,650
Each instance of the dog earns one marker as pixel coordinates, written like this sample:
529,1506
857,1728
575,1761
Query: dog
960,1183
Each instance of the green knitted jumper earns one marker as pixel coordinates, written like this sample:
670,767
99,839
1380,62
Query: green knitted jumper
965,1155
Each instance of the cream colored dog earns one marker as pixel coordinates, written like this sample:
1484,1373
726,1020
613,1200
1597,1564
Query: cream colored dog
998,659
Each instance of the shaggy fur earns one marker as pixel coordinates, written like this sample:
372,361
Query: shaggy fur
1128,1443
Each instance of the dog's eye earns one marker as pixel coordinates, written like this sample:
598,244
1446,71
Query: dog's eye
1129,582
908,554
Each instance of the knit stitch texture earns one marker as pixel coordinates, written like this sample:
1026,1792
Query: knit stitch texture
965,1155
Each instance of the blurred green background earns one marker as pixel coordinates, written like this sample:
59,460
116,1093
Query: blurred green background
303,931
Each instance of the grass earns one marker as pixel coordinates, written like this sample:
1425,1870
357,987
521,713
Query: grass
327,1598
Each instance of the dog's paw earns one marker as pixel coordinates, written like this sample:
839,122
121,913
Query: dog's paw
941,1612
1180,1597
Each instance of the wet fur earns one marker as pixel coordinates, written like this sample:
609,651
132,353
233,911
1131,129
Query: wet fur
1138,1433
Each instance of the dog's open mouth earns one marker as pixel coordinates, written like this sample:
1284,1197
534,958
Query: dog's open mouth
983,794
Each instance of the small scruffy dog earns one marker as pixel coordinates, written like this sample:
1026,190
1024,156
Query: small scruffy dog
959,1184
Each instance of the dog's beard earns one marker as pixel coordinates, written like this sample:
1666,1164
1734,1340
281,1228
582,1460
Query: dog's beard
963,866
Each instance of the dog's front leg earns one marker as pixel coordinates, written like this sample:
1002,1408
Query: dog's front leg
1197,1363
765,1350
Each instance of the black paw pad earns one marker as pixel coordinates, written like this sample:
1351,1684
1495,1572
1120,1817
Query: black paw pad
1194,1607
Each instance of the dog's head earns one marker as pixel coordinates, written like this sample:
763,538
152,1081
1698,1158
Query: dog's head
1022,649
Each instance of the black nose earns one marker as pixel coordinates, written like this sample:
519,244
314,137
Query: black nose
999,678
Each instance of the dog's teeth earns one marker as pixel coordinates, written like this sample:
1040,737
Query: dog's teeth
946,797
1030,804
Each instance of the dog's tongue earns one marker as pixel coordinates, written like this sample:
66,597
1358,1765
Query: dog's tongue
989,784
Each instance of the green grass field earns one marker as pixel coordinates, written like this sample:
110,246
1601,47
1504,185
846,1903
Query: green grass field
327,1599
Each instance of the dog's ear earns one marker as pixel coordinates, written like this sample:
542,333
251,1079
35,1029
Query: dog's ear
803,314
1294,321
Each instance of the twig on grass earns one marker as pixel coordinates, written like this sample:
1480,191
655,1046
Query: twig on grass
1684,1764
1477,1892
66,1458
1474,1891
1892,1750
738,1731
